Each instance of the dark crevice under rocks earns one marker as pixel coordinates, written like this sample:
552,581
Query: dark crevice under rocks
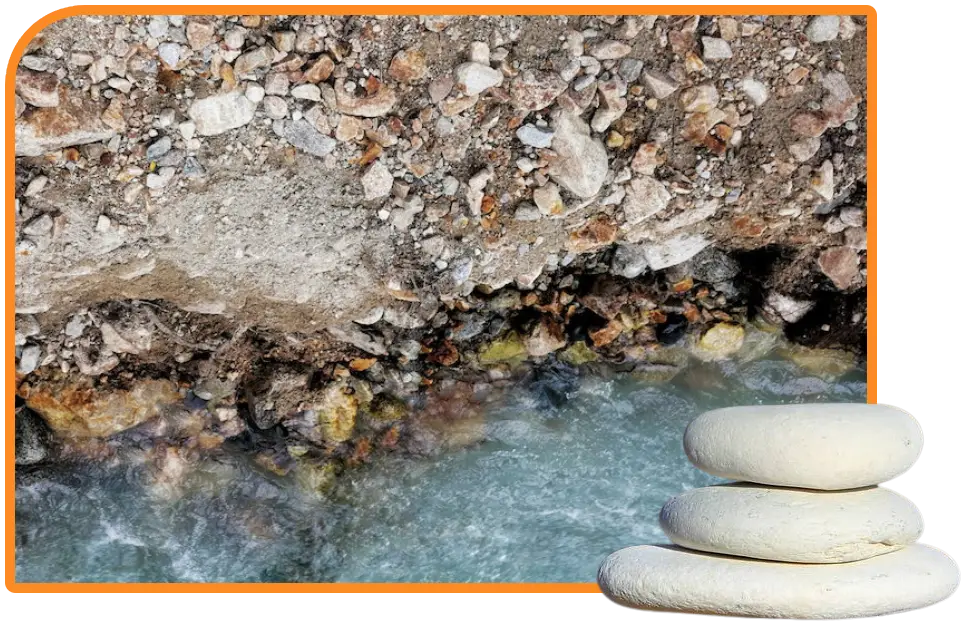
190,384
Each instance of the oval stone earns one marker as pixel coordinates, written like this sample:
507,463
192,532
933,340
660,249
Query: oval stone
783,524
668,577
830,446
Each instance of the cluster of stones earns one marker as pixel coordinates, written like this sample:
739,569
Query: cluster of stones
495,166
807,494
401,201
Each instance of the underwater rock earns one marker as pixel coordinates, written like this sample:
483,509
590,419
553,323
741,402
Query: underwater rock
81,411
32,438
720,341
825,363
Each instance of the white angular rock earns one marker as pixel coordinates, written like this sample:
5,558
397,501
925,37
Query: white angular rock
656,577
792,525
628,261
305,137
159,148
646,196
475,188
823,182
39,227
220,113
786,308
307,92
527,212
700,99
250,62
830,446
823,28
674,251
805,149
846,28
158,26
358,338
276,84
377,181
170,54
479,52
612,103
755,90
548,201
36,186
609,50
852,216
661,85
29,360
534,137
716,49
235,38
474,78
581,164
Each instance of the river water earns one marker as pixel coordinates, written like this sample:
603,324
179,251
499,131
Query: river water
571,469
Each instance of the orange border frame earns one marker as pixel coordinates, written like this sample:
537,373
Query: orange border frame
10,279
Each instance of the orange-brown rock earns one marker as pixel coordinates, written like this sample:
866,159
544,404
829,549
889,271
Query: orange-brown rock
82,411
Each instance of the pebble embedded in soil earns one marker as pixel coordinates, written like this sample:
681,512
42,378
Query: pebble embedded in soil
219,113
581,164
377,181
302,135
535,137
660,84
474,78
823,28
716,49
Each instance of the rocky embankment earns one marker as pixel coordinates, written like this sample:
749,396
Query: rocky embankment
325,236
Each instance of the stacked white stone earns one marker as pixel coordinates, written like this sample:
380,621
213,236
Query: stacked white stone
807,494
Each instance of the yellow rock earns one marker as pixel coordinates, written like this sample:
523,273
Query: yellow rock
336,412
509,348
760,339
578,353
315,477
720,341
825,363
386,409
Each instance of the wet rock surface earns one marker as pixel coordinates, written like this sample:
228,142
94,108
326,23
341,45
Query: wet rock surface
32,438
186,507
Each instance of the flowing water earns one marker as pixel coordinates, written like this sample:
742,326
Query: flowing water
570,470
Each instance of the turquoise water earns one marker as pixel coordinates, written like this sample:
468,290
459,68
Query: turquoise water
570,470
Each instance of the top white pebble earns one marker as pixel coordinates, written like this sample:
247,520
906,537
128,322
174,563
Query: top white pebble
830,446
